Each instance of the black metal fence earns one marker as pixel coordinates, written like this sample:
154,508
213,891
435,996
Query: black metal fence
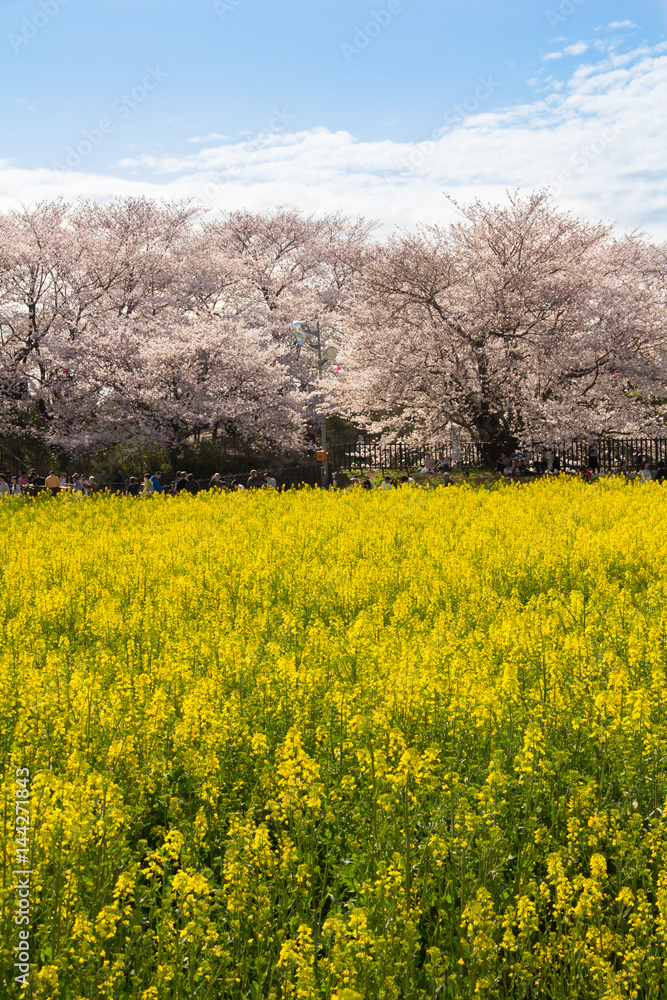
605,453
375,456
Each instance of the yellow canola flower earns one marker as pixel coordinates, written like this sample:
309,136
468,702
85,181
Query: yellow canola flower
317,744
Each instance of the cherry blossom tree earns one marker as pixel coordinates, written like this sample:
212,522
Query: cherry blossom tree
163,382
138,254
38,261
263,271
142,313
515,323
63,269
287,266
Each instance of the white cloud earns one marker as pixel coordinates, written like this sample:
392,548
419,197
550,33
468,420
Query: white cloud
622,24
598,138
575,50
209,137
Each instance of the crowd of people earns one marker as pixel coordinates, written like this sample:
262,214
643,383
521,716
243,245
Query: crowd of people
390,483
387,483
518,464
433,466
30,485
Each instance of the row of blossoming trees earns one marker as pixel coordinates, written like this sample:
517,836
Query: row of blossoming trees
138,322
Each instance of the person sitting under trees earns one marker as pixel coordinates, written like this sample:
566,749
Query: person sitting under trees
31,488
77,485
645,472
518,462
52,482
428,466
503,464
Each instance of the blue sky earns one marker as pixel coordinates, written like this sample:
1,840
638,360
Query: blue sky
373,108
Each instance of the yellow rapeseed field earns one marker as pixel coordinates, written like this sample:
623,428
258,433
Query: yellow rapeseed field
308,745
